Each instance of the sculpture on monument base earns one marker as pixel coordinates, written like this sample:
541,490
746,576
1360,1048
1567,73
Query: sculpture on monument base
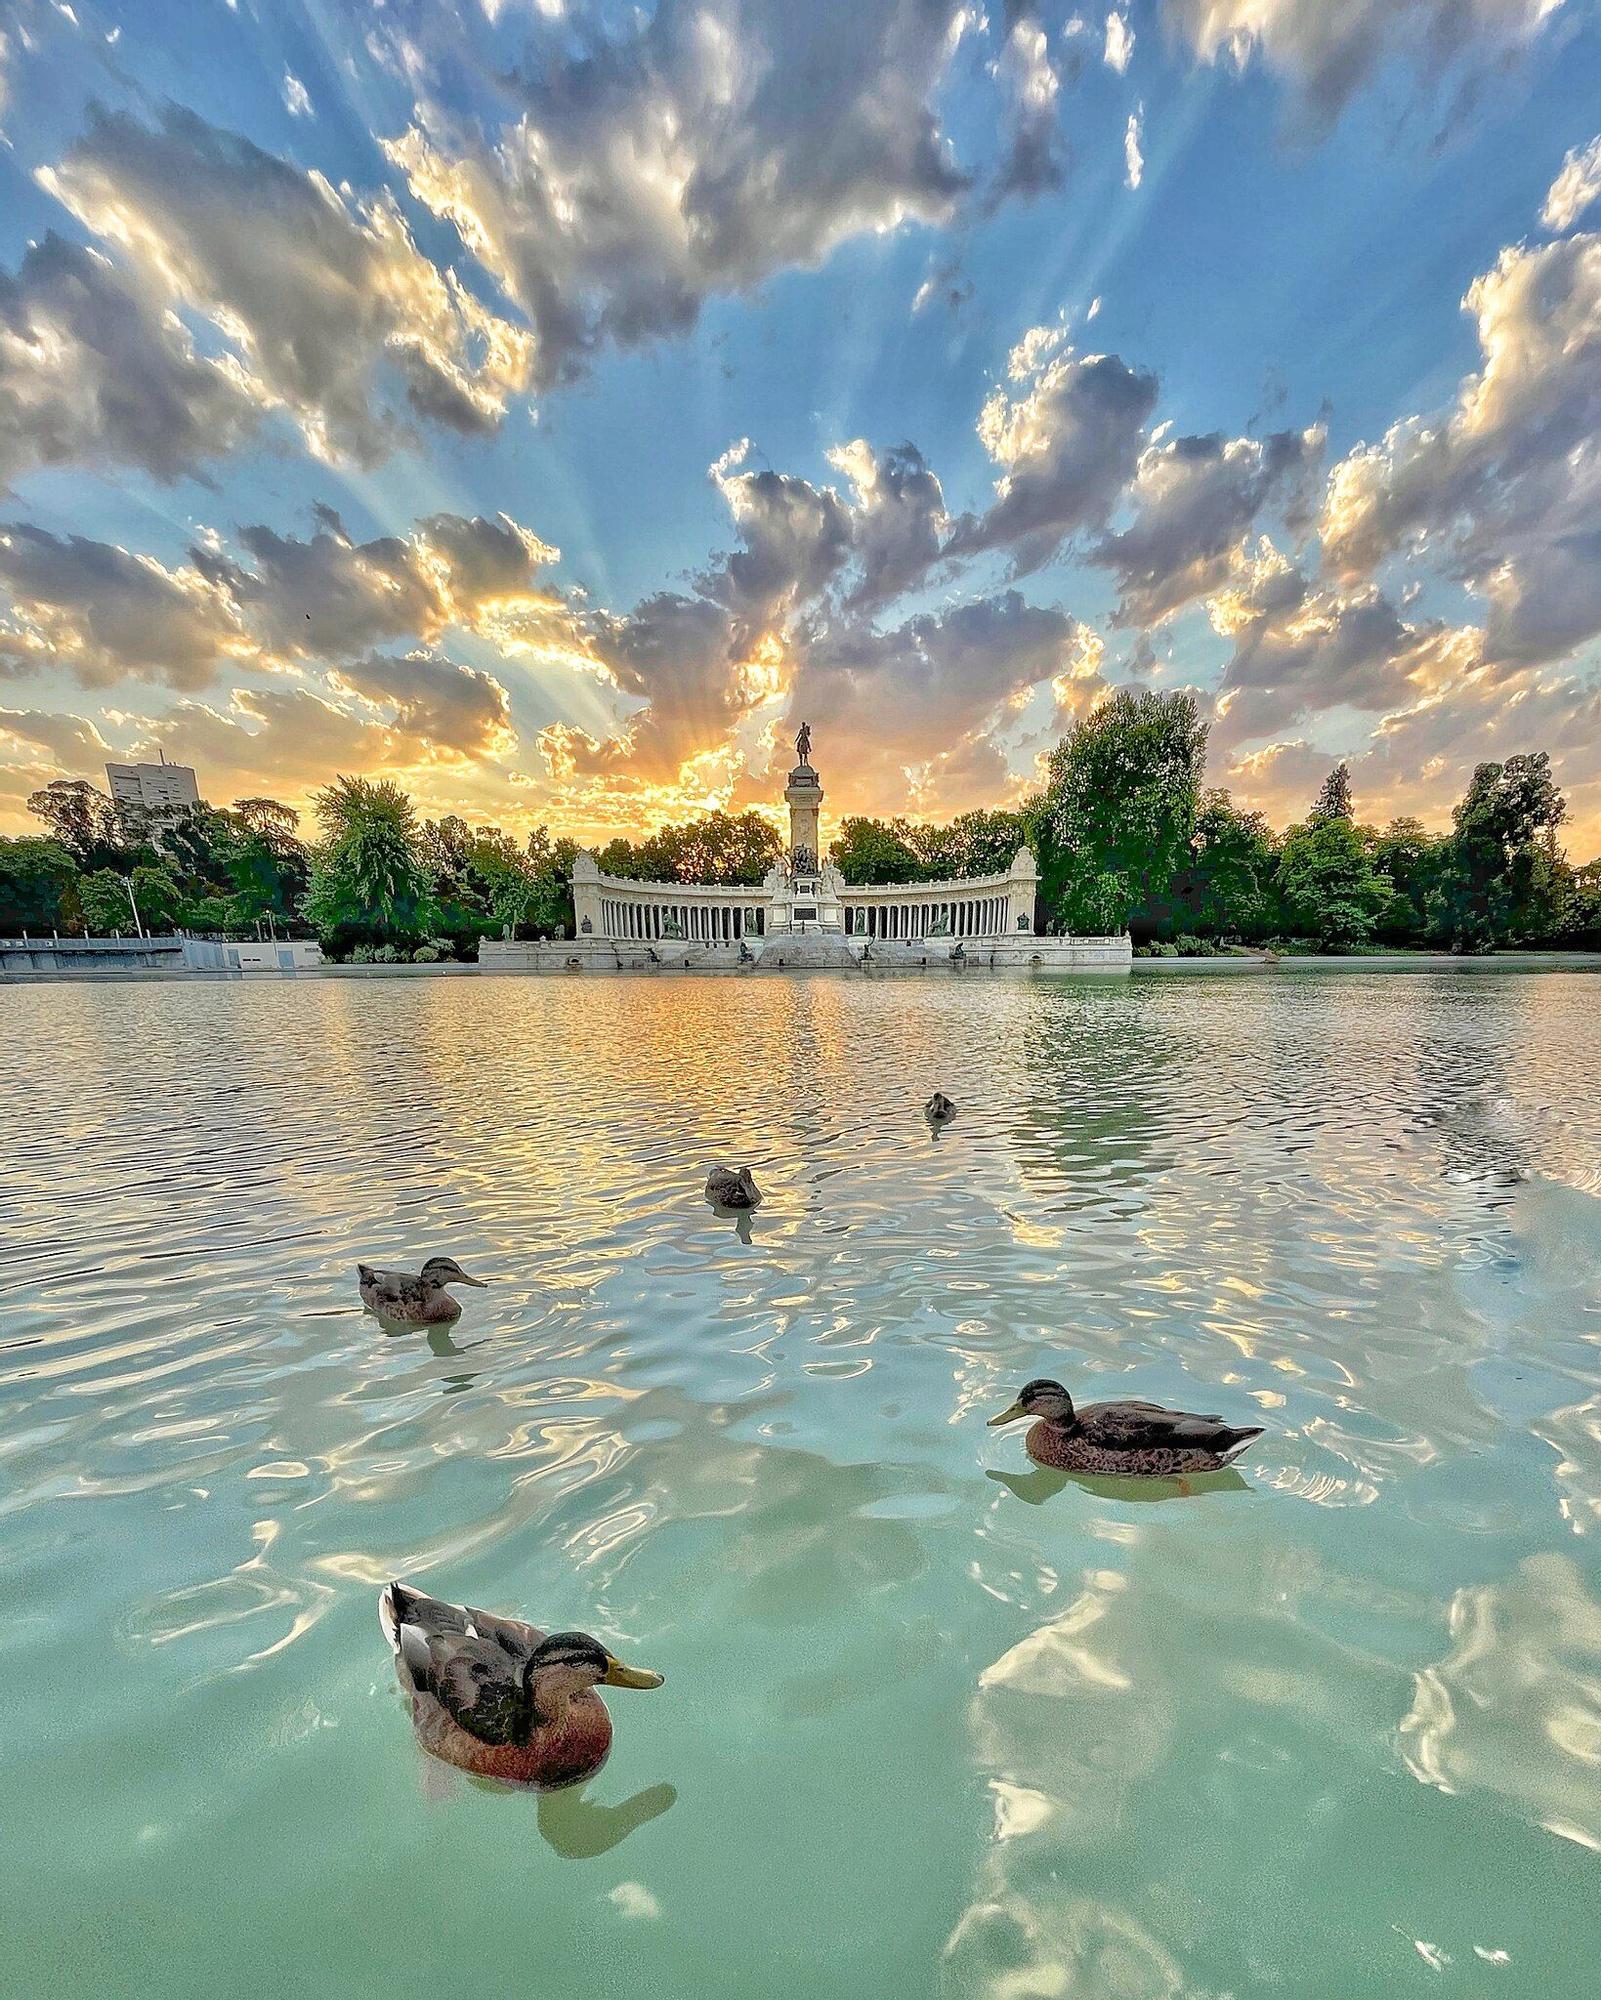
803,743
803,861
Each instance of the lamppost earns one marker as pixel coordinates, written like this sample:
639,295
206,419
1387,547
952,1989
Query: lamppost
138,922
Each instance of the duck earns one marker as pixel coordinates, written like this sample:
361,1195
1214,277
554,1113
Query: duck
939,1110
1130,1440
732,1187
498,1697
415,1298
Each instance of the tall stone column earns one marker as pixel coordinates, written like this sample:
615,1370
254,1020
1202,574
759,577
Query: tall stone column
804,794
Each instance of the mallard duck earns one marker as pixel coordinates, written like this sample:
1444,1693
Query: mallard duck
417,1299
939,1110
500,1698
1131,1440
732,1187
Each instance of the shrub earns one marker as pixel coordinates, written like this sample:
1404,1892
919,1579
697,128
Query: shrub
427,954
363,954
386,954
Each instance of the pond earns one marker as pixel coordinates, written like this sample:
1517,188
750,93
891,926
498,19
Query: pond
933,1723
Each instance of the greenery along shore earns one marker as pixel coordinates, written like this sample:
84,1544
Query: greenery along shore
1125,835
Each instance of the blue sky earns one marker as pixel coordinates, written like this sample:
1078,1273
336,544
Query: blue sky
550,404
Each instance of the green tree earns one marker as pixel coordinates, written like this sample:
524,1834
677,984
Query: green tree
38,886
85,822
974,843
1499,884
1224,891
104,900
369,880
159,896
1329,887
1334,798
1117,817
731,849
876,850
1408,859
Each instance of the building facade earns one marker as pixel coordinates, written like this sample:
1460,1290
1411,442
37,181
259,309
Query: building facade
805,896
153,788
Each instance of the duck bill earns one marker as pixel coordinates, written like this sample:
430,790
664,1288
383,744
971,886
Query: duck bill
478,1284
1007,1417
619,1676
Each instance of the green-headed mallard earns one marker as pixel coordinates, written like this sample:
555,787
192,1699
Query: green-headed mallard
415,1298
500,1698
939,1110
732,1187
1129,1440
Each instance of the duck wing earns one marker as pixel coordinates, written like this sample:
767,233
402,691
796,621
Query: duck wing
1136,1426
474,1670
394,1292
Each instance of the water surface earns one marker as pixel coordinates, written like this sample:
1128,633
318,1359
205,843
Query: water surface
932,1725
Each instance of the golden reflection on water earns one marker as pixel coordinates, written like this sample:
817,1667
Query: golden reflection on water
1077,1735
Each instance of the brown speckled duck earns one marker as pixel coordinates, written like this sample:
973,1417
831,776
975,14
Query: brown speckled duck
500,1698
1128,1440
732,1187
415,1299
939,1110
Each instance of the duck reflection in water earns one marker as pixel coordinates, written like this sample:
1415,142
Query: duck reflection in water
1044,1482
443,1346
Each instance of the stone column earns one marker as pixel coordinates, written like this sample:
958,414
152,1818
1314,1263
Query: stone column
804,793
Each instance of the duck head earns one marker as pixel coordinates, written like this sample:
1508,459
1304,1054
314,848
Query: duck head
939,1106
567,1663
747,1185
446,1271
1040,1398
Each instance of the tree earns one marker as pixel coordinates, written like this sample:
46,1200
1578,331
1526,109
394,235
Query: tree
1499,882
730,849
1329,887
84,821
369,881
159,896
1334,799
875,850
38,886
1225,889
1407,859
975,843
1117,818
104,900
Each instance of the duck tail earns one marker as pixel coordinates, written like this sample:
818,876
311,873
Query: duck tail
365,1273
1242,1440
392,1611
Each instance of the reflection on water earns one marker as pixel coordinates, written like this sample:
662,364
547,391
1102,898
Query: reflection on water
1324,1723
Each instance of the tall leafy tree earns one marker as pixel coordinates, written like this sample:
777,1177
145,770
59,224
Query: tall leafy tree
1225,889
369,879
85,822
38,886
1117,817
1499,883
731,849
1334,798
876,850
1330,890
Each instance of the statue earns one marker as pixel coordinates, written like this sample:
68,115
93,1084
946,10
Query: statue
803,743
801,861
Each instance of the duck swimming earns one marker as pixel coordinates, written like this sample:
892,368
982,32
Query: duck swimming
732,1187
500,1698
939,1110
416,1299
1130,1440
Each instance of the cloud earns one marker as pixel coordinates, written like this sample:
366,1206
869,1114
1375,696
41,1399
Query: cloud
797,537
102,615
1034,163
1573,190
330,596
70,743
93,371
327,305
692,151
1300,651
1067,441
440,706
284,740
1133,158
1328,52
297,99
1194,499
897,519
1504,485
1119,48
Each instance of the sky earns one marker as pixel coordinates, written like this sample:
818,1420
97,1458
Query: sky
550,405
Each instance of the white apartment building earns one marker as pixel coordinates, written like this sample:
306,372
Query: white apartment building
154,788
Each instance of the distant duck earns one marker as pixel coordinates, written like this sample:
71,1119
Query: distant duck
732,1187
939,1110
415,1299
499,1698
1131,1440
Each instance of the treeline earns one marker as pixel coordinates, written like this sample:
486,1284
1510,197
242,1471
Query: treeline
380,883
1125,833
